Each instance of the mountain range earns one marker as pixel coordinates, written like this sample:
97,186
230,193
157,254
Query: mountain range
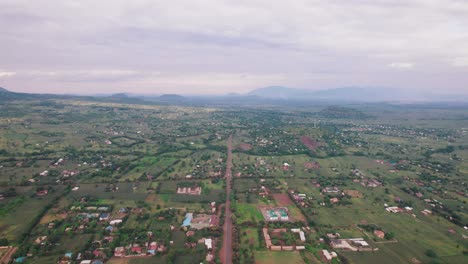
270,94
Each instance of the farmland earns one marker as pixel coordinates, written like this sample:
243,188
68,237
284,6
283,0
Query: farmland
127,183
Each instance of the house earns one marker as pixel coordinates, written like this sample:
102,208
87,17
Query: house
104,217
426,212
302,236
152,246
42,192
40,240
331,190
103,209
209,243
115,222
334,200
333,236
379,233
136,249
209,257
359,242
44,173
97,253
119,252
327,256
393,209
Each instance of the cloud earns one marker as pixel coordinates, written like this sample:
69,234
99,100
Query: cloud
309,43
460,62
401,65
6,74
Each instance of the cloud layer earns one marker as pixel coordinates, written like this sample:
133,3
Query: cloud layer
221,46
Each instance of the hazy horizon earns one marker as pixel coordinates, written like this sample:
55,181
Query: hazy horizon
220,47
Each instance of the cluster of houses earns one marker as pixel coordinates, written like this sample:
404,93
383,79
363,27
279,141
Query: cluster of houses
137,250
208,242
331,190
372,183
396,209
300,199
194,222
194,190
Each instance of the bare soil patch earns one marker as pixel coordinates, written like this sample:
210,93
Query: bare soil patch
353,193
312,165
310,143
282,199
245,146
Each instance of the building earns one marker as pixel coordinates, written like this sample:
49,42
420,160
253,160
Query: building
119,252
188,219
283,214
104,217
115,222
209,243
393,209
379,233
328,256
272,216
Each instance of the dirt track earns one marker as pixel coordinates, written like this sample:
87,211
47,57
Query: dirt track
226,250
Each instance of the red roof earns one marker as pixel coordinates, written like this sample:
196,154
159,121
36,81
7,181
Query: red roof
136,249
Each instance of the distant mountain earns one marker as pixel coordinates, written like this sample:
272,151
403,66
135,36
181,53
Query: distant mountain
172,98
3,90
281,92
119,95
348,94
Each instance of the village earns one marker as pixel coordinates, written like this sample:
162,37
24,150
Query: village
151,187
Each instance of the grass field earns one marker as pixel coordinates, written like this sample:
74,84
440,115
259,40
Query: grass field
278,257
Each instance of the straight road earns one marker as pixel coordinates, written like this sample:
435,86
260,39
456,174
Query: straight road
226,250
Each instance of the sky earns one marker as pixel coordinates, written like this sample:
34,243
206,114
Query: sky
220,46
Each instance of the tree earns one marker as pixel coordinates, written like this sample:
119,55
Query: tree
389,235
431,253
3,242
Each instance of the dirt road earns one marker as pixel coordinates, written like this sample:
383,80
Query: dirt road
226,250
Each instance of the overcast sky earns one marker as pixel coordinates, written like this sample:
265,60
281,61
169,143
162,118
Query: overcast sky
219,46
